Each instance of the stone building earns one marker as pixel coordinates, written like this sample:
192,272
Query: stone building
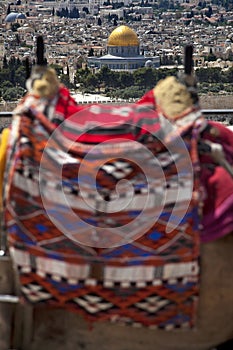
123,52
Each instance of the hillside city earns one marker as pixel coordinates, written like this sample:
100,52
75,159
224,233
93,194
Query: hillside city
72,28
75,30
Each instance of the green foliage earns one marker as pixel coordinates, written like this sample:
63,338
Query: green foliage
134,92
4,86
64,12
210,75
85,9
229,75
13,93
117,5
126,79
64,79
4,75
210,57
57,68
92,82
204,88
106,76
145,77
13,79
81,75
163,4
121,83
14,27
125,84
91,52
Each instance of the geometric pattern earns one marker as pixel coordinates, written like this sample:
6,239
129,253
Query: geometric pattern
152,280
93,303
35,293
97,302
152,304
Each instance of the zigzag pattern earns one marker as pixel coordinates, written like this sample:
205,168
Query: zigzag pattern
151,279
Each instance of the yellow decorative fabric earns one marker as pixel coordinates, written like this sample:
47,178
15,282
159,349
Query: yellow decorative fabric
3,148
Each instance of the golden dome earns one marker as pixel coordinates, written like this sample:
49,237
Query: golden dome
123,36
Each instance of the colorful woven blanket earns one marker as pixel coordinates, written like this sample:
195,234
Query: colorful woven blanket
217,219
102,214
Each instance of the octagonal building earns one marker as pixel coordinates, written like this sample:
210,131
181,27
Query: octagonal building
123,52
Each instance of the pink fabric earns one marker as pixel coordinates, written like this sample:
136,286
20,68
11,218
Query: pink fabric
218,206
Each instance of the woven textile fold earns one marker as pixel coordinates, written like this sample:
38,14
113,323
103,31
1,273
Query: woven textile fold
102,215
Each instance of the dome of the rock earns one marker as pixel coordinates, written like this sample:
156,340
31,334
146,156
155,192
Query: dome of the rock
123,36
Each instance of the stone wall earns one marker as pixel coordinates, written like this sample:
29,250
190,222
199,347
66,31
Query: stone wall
216,102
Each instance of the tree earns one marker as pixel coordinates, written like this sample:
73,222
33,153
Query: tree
91,82
106,76
91,52
57,68
5,85
14,27
229,75
20,76
8,9
209,12
12,93
74,13
99,22
67,70
145,77
5,63
12,76
64,79
211,56
81,75
85,9
4,75
163,4
210,75
126,79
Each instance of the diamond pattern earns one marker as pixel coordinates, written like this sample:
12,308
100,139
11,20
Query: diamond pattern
142,296
93,303
152,304
35,293
118,169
